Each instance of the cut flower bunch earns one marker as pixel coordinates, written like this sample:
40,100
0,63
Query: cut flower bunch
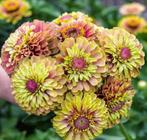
76,69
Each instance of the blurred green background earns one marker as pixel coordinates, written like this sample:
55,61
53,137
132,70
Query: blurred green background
17,125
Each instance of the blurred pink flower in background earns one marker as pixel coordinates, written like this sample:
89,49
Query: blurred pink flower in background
132,9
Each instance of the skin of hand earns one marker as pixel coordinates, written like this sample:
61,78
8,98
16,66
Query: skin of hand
5,86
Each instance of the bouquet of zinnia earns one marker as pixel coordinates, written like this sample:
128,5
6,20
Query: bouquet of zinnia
73,68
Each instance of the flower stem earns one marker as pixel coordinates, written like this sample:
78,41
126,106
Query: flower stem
124,132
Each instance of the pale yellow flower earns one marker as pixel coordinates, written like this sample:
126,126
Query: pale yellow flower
132,24
38,85
14,10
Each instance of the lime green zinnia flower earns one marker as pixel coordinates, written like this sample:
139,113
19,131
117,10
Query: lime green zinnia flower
118,94
124,52
84,63
82,117
38,85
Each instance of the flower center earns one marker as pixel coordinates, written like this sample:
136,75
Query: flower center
31,86
81,123
79,63
117,106
125,53
133,24
73,32
11,5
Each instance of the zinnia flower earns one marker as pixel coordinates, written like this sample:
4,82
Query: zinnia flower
132,24
118,94
84,63
82,117
14,10
70,17
77,29
124,52
38,85
31,39
132,9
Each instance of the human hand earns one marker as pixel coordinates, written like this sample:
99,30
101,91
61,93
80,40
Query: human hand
5,86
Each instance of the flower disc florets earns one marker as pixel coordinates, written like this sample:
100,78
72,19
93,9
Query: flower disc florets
82,117
78,29
38,85
124,53
118,94
83,62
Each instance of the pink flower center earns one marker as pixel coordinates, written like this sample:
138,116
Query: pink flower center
79,63
81,123
125,53
31,86
73,32
117,107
